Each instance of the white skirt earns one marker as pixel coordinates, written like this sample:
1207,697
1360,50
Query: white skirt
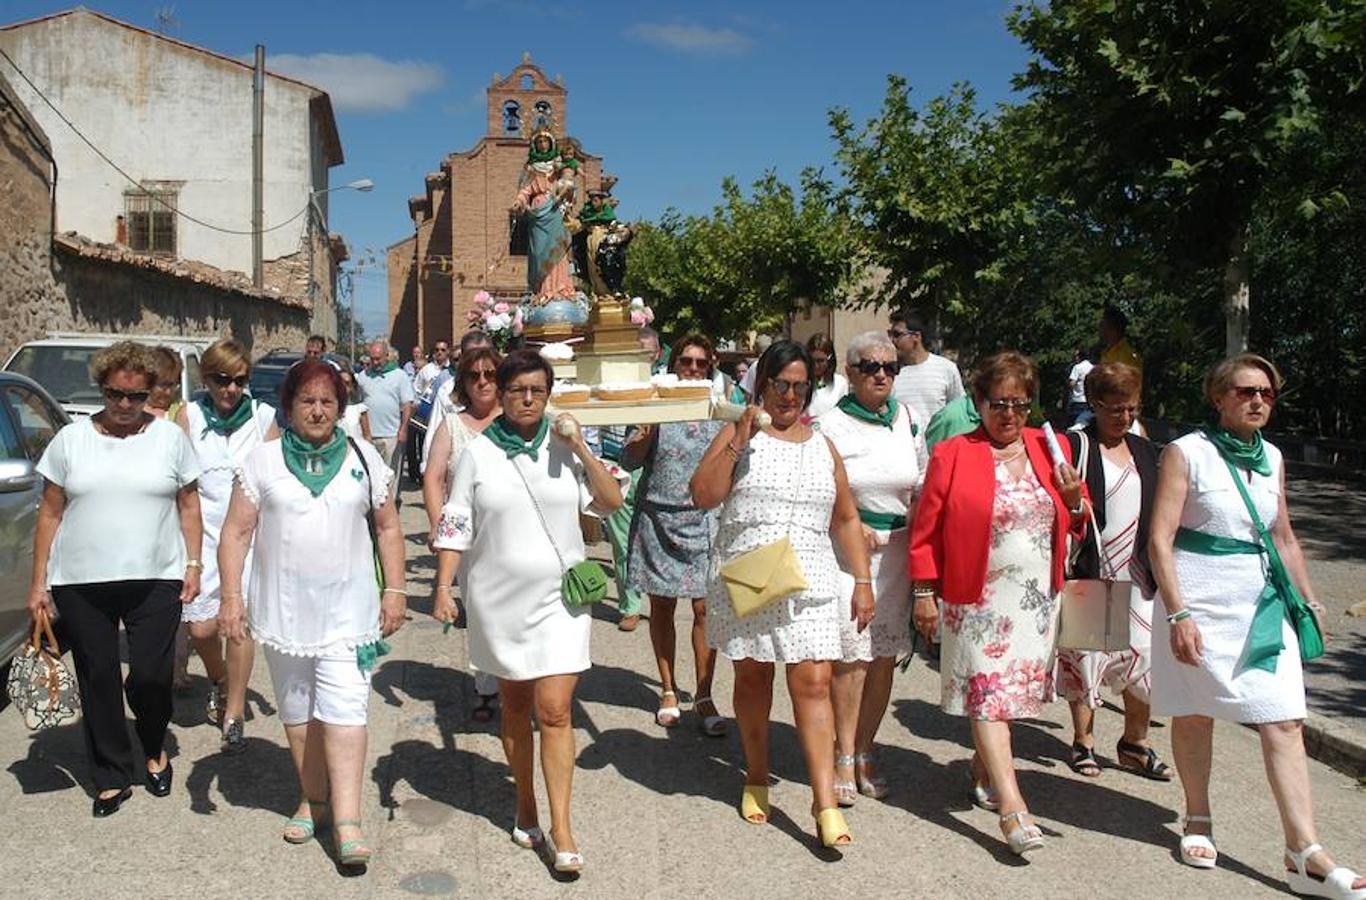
1221,593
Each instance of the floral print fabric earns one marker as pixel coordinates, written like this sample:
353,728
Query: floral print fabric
998,653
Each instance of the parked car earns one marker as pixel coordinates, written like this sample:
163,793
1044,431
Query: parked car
29,419
61,364
268,373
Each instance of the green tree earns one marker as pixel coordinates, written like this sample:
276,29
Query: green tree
749,264
941,196
1167,120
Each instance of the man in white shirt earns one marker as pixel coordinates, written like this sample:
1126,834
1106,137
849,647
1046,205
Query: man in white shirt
927,381
1076,385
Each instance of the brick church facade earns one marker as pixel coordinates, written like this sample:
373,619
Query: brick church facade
464,239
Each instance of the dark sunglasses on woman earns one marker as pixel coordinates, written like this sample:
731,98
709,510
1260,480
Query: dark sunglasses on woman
871,367
222,379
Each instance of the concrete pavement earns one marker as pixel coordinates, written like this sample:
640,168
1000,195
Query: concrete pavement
654,809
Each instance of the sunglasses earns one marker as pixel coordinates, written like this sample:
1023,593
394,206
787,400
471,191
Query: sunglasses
223,380
1267,394
1013,406
782,388
117,396
695,362
871,367
478,375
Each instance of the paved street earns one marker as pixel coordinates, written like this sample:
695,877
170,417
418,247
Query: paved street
655,810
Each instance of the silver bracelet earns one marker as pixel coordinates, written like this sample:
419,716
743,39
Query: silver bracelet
389,590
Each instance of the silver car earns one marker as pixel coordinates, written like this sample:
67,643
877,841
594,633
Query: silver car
29,420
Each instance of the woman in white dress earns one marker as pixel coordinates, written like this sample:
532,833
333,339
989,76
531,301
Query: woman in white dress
1238,609
224,427
511,529
883,448
785,481
1120,471
319,502
476,393
828,384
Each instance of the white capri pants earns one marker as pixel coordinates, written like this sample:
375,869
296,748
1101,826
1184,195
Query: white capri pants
331,689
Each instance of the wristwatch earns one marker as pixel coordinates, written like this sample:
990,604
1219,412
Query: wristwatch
194,564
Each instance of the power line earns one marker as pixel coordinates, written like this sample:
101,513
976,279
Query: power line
133,181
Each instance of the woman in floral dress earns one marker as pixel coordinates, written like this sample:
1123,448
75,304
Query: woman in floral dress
670,544
990,539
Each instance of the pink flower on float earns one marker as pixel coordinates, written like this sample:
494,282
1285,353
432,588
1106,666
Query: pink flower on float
482,299
637,317
501,307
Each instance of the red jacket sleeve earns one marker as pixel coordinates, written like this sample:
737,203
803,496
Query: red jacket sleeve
926,560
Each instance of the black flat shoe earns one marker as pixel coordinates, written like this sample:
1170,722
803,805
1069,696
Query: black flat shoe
107,806
159,783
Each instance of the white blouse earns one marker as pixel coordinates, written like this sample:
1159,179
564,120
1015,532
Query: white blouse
313,589
121,522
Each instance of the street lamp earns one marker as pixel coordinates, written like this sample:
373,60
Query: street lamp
360,184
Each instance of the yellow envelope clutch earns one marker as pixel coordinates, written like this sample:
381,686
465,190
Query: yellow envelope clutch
762,575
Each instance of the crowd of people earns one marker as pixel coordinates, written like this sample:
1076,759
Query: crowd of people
857,510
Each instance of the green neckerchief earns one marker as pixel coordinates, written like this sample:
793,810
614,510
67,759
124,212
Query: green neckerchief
1251,457
381,371
368,654
850,406
240,415
881,521
315,467
511,443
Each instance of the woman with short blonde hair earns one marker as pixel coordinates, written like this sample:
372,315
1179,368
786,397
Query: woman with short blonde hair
224,426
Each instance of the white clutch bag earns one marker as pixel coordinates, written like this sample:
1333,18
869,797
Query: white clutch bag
1095,611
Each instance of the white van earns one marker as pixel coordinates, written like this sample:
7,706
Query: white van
61,364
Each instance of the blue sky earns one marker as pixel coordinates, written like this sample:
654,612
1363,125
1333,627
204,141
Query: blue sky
674,96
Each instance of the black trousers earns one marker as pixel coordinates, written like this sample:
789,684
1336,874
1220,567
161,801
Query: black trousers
150,613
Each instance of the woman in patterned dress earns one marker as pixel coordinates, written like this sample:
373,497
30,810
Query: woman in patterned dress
670,543
1120,471
785,481
990,538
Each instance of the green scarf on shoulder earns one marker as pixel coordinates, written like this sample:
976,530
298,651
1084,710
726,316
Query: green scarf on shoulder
315,467
1244,455
501,432
240,415
849,405
381,371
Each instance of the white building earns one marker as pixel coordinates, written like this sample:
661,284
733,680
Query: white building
178,119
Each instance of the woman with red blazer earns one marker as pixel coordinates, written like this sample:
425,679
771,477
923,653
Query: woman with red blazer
990,539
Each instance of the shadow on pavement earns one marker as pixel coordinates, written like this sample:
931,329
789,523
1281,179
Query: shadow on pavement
1345,662
260,777
56,759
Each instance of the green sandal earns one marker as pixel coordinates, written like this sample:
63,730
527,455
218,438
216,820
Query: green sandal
354,852
303,829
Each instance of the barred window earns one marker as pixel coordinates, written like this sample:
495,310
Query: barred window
151,218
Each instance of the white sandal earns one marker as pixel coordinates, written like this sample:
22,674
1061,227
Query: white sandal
527,838
565,861
846,792
1022,838
668,716
1191,842
1336,885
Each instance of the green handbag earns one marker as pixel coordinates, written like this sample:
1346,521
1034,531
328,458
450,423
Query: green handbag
583,583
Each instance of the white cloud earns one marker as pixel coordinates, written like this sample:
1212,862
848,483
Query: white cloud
361,82
691,38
